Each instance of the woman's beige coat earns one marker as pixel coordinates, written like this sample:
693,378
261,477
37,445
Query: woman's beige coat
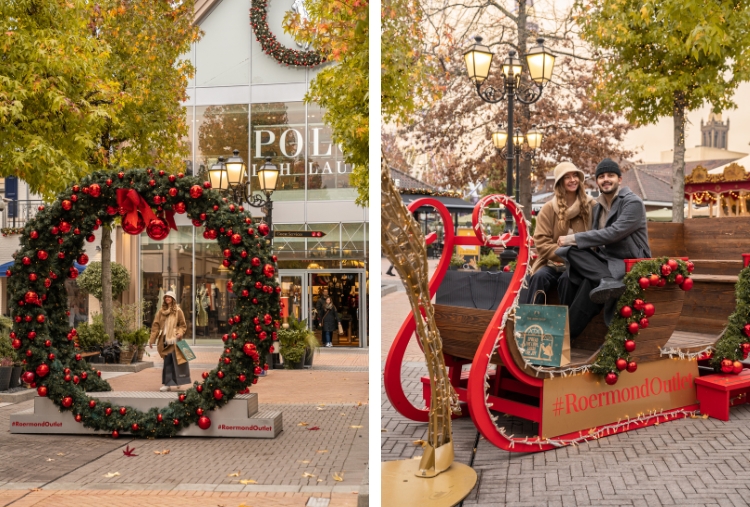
181,328
548,229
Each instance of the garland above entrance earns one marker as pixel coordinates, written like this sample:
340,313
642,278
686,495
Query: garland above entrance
271,46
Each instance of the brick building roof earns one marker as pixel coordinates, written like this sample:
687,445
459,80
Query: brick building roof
406,181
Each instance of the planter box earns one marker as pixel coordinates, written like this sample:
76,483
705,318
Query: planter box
309,356
126,356
15,377
5,373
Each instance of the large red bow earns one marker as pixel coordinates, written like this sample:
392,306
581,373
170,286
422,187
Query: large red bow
132,202
169,217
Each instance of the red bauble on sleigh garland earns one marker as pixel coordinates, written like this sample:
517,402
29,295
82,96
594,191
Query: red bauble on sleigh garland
146,200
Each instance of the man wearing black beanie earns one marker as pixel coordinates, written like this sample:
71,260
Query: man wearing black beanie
595,257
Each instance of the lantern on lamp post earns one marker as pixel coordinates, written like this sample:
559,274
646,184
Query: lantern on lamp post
540,63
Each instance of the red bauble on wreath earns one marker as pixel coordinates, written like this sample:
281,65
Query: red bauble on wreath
134,229
158,229
204,422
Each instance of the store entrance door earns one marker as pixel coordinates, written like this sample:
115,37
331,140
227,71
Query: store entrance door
344,290
293,297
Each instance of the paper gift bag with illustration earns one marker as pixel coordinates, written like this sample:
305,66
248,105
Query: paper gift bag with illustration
185,349
542,334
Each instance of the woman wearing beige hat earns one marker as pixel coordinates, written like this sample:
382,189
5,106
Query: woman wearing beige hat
169,326
569,211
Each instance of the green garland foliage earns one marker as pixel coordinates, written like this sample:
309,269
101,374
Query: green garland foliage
614,343
38,300
272,47
729,345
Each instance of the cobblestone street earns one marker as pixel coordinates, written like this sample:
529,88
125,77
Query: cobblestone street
69,470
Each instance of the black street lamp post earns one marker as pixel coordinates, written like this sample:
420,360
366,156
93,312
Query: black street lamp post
540,62
231,176
533,138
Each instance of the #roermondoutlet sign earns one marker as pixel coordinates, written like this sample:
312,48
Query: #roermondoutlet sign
582,402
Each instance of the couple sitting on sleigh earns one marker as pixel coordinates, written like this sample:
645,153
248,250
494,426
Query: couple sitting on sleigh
582,242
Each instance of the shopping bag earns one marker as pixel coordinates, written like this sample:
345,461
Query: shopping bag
543,334
341,329
185,349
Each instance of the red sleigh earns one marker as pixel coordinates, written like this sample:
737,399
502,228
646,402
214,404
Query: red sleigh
500,381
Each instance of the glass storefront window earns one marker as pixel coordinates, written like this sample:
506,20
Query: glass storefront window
167,265
214,304
289,248
78,303
327,173
353,240
327,247
278,131
219,130
344,290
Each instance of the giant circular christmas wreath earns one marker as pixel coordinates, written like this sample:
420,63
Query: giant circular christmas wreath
271,46
146,200
633,312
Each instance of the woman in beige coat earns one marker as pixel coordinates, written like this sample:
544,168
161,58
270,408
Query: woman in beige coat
169,326
569,211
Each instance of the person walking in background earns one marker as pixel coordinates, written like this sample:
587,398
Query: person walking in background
330,321
390,271
169,326
568,212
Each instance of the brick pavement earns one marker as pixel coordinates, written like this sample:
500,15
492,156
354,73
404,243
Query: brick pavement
342,358
685,462
299,460
300,463
279,386
394,309
129,498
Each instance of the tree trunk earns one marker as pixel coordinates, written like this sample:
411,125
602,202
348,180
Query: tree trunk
678,162
107,315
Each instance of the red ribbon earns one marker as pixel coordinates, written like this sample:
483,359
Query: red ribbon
132,202
169,218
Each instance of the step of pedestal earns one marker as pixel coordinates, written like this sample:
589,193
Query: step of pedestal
238,418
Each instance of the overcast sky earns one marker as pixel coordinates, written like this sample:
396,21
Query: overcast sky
651,140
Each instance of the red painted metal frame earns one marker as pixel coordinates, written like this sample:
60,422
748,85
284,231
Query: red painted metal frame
392,371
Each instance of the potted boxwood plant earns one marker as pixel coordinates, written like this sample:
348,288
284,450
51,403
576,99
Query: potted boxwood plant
133,345
6,362
457,262
129,331
91,337
295,339
6,324
312,345
489,262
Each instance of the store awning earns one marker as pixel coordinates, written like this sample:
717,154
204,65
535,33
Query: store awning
454,204
5,267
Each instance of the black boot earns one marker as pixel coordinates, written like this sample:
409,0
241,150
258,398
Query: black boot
608,288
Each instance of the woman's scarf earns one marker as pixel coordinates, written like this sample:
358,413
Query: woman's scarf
170,323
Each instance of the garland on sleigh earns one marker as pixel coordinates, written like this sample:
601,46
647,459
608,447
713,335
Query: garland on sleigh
271,46
147,200
733,344
633,312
